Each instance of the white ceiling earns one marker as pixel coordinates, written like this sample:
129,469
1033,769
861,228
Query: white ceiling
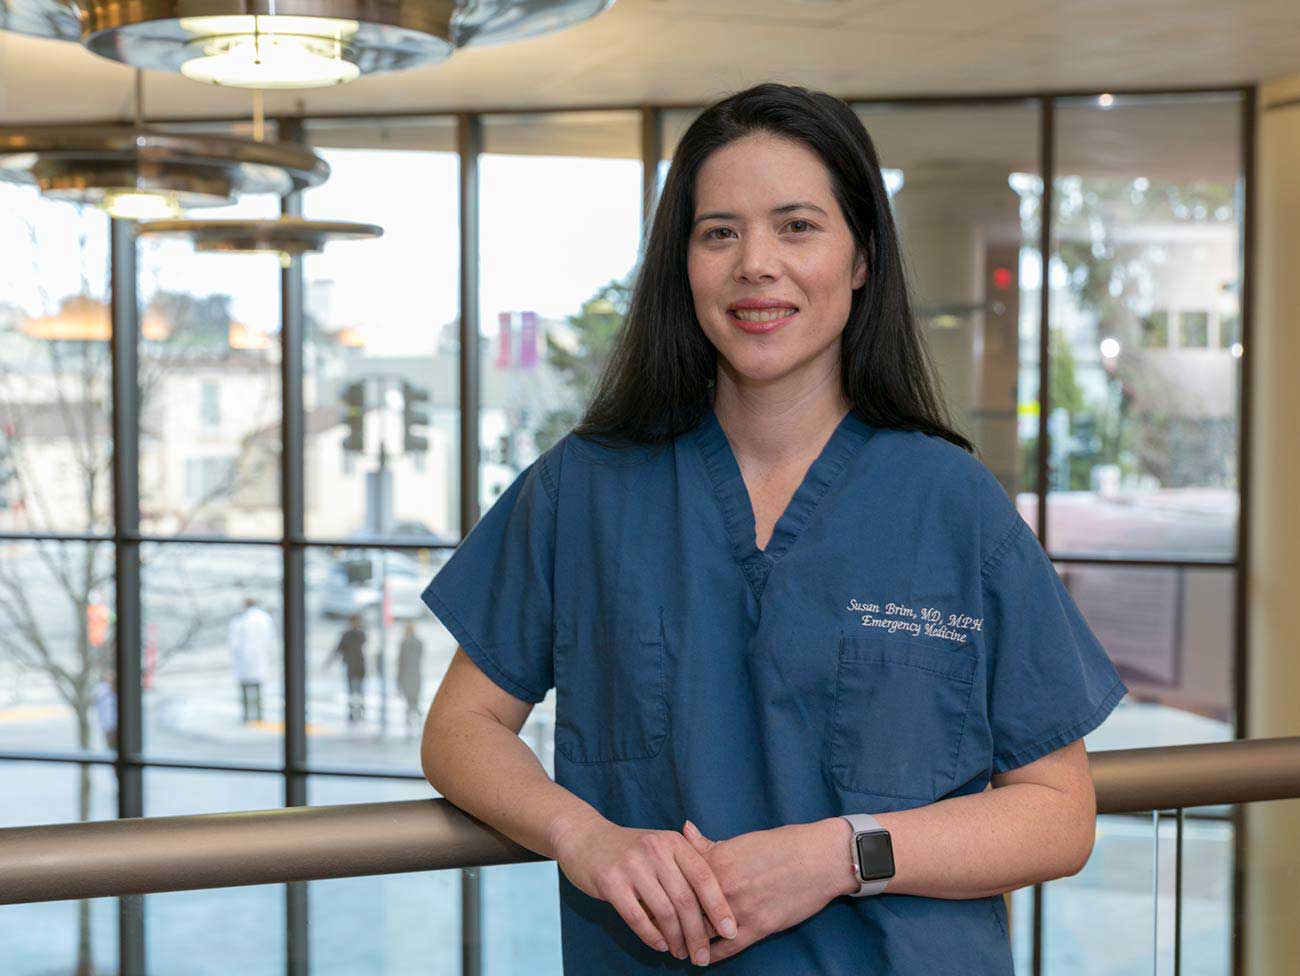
691,51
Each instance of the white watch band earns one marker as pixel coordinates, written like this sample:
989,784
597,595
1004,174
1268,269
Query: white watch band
862,822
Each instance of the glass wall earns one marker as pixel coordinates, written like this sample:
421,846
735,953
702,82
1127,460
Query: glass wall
1144,347
1145,282
212,676
209,385
381,384
385,924
560,226
56,443
375,655
1143,421
969,226
57,936
190,931
56,653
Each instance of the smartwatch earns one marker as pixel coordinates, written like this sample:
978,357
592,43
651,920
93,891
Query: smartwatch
872,853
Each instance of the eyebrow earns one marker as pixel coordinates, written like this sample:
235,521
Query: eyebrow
784,208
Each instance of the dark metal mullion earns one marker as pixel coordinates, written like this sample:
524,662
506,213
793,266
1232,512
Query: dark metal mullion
124,350
1178,892
469,140
1241,661
1047,167
1047,164
1155,891
652,141
292,336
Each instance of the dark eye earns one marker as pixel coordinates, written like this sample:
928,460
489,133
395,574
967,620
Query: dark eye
708,233
797,221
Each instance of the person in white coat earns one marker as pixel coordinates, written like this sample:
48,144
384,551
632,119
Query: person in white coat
251,639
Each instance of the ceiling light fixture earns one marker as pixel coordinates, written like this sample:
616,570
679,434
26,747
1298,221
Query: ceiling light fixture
137,173
289,43
286,236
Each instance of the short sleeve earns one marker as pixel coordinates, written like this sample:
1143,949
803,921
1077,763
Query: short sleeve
1050,681
494,594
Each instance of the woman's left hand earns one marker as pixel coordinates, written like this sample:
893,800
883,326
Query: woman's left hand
772,879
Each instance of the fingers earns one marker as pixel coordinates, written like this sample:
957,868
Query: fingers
689,915
629,907
707,890
667,893
697,839
650,889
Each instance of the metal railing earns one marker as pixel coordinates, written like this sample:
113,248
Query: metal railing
157,854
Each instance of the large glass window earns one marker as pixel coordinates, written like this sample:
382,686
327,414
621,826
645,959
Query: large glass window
382,345
1144,409
213,654
1144,348
57,635
56,442
375,655
210,385
969,227
561,223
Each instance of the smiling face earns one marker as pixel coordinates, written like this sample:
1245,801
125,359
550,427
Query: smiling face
768,231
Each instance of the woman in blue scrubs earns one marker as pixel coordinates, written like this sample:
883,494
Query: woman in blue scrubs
772,588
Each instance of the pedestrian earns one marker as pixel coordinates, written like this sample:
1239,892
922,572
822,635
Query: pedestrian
104,699
795,627
410,666
351,648
251,638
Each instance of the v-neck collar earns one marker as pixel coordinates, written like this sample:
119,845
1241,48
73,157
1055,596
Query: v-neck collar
737,508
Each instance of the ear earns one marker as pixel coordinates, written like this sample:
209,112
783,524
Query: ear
859,270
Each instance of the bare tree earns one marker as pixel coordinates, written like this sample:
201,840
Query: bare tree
56,401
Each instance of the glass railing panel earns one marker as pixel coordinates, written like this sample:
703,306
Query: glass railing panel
382,925
215,931
57,936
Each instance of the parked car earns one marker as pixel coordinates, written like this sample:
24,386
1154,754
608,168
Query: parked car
352,584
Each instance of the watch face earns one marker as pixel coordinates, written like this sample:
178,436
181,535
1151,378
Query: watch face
875,856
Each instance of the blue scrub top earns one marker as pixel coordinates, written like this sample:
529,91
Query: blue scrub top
902,637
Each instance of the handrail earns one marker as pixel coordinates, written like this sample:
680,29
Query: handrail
155,854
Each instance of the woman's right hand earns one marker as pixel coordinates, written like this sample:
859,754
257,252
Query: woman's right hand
660,870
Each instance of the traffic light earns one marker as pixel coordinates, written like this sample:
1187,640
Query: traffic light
414,415
354,415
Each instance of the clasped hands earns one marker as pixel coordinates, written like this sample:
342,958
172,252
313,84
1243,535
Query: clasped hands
678,890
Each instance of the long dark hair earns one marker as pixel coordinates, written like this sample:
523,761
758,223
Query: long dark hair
659,379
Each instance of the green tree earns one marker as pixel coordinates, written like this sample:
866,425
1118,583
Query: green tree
595,327
1113,279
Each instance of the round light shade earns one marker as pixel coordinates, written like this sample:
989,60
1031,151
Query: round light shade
289,43
140,173
41,18
480,23
284,235
271,43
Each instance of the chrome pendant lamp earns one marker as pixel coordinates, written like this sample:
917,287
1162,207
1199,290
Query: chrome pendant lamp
136,172
289,43
288,237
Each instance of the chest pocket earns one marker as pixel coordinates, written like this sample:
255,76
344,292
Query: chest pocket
611,691
899,715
